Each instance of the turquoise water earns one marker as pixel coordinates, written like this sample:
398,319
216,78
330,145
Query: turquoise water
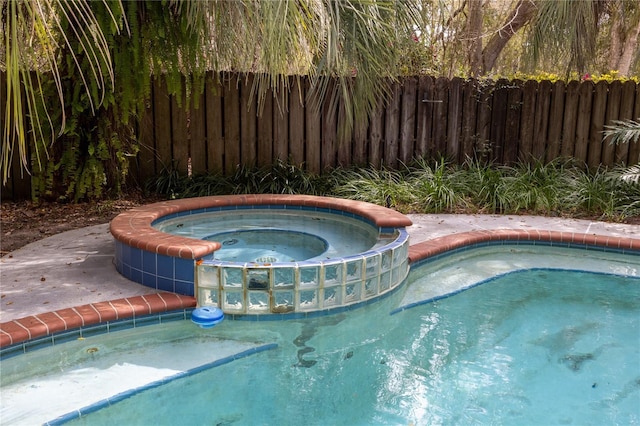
528,348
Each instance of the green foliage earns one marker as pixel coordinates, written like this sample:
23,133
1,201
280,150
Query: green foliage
560,188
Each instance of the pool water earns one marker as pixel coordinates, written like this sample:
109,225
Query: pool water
339,236
530,347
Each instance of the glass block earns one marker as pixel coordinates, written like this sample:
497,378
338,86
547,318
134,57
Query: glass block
258,301
308,299
282,301
397,276
233,301
373,263
309,276
207,297
208,276
398,257
332,296
386,260
283,277
232,277
371,287
352,292
333,274
354,270
385,281
258,279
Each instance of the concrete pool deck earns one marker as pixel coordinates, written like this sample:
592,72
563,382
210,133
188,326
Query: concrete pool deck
69,280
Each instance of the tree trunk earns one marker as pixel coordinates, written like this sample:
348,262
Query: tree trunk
474,31
519,16
629,48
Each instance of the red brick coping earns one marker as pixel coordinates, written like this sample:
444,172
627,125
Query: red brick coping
41,325
134,229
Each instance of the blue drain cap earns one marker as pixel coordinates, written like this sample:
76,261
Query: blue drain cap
207,316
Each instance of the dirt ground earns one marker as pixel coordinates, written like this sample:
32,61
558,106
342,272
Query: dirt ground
24,222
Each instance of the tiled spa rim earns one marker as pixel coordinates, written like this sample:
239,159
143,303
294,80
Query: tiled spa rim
187,266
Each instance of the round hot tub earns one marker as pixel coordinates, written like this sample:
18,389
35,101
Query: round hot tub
265,254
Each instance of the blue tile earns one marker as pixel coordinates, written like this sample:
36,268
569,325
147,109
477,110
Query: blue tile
164,266
149,262
165,284
136,275
184,287
184,269
136,258
149,280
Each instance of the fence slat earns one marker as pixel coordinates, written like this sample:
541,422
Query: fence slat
613,112
585,93
541,120
198,127
180,132
214,126
231,104
392,127
512,128
406,148
483,147
162,125
146,164
376,130
440,110
329,132
570,120
555,121
454,119
598,111
424,141
296,121
248,123
313,135
469,116
498,120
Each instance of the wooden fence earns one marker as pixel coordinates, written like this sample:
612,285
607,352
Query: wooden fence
503,122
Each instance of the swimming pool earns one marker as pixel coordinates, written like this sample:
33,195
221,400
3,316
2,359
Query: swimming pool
528,347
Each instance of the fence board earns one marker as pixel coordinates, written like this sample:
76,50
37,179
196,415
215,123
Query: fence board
162,125
541,120
146,160
329,131
424,141
392,127
214,124
440,110
248,123
469,116
583,124
281,126
598,111
498,120
198,136
406,149
613,111
483,148
454,119
296,121
231,105
360,143
570,120
313,134
264,138
512,126
343,139
376,129
556,108
527,123
180,133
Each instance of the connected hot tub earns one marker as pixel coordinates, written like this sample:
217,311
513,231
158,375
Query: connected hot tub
265,254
